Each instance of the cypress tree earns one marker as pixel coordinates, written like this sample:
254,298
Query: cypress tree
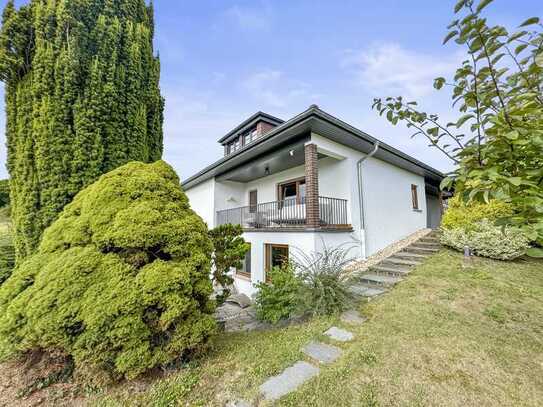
82,98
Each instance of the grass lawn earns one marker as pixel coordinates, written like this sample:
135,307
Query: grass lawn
448,335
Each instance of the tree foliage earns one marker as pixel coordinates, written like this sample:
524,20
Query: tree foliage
4,192
120,280
82,98
498,93
465,216
229,249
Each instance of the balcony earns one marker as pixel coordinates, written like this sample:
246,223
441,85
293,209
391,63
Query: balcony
288,214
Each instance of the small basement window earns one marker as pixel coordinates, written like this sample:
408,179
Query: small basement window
415,197
245,269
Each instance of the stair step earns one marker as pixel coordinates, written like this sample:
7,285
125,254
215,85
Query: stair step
394,271
379,279
427,242
420,250
365,291
410,256
426,245
395,260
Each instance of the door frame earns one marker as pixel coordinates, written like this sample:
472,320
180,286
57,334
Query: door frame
297,181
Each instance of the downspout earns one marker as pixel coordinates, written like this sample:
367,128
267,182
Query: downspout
363,246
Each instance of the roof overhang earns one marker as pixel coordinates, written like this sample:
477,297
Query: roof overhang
314,120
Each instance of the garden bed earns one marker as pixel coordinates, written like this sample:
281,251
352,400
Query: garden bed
451,334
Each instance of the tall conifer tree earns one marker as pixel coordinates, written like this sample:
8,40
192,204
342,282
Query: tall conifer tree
82,98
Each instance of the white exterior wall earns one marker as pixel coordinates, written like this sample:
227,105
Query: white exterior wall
388,204
202,201
229,195
386,188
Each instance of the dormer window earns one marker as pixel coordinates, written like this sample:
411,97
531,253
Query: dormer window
249,136
247,132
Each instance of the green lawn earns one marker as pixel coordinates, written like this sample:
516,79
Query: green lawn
448,335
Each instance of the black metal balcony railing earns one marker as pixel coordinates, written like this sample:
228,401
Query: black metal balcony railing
289,213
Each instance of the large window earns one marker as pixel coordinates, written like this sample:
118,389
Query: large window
245,269
292,192
276,256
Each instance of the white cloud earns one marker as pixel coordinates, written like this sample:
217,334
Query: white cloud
251,18
389,69
274,89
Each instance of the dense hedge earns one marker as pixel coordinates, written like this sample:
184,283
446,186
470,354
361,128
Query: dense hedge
466,216
82,98
120,281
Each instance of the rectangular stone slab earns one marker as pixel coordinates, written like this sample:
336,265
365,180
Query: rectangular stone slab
322,352
352,317
339,334
291,378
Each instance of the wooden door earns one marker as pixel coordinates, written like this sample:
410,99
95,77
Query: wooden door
253,200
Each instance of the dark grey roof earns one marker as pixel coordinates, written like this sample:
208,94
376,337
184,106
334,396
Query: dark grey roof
251,121
320,122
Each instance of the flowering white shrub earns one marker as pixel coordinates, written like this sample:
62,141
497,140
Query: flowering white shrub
488,240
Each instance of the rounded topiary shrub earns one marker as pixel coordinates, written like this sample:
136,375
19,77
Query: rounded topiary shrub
120,281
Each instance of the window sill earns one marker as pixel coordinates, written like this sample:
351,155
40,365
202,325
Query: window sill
243,276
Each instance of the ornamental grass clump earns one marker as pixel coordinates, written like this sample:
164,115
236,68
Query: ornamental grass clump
120,281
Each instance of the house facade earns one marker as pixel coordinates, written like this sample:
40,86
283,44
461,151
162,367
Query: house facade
312,181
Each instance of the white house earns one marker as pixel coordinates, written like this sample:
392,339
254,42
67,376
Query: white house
312,180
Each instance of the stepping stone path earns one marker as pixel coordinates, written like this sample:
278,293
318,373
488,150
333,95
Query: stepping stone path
322,352
339,334
383,276
352,317
292,377
373,282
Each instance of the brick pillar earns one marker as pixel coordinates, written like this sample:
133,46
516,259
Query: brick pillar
311,186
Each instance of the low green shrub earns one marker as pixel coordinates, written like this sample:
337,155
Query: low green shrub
120,281
280,297
324,280
488,240
312,284
466,216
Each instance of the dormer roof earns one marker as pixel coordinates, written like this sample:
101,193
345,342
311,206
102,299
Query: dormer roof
250,122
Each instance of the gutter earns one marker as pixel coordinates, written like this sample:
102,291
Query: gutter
363,245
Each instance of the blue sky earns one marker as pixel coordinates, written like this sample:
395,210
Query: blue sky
224,60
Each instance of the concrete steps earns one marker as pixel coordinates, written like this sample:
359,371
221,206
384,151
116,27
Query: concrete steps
390,270
378,279
420,250
410,256
393,260
426,245
365,291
